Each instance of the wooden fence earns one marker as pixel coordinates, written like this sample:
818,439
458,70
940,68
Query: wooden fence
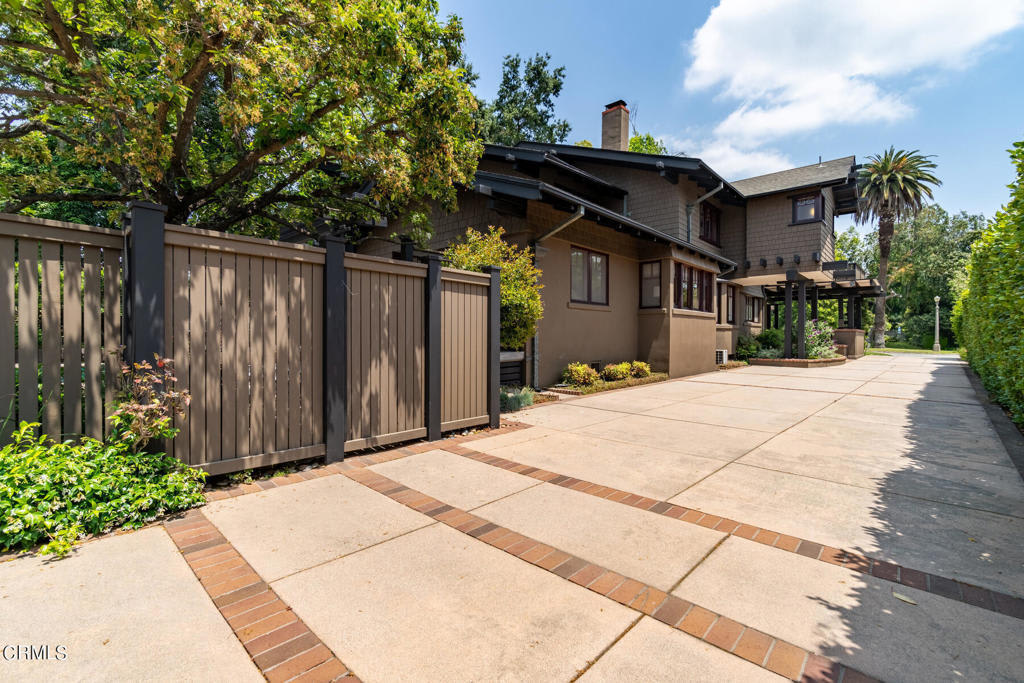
248,323
60,312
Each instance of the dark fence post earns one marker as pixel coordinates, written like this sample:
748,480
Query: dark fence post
801,332
493,345
788,314
335,349
144,282
432,344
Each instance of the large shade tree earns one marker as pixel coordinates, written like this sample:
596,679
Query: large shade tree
893,188
248,115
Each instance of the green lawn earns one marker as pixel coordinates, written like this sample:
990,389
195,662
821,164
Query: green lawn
890,350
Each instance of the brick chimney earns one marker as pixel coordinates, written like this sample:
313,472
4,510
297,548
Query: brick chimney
615,126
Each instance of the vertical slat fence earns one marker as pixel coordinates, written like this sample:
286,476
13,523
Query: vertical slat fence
464,349
60,310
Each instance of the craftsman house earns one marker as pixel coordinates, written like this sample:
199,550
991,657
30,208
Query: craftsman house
649,257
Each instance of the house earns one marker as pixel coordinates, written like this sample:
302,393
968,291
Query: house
649,257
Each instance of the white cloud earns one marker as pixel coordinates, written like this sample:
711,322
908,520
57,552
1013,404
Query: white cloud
726,158
796,66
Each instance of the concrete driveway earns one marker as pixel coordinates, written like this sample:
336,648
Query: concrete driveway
764,523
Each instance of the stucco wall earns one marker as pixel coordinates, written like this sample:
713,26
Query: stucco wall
579,332
693,343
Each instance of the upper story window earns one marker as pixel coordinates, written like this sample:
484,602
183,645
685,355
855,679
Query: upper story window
588,277
753,310
730,304
710,223
694,288
650,284
807,208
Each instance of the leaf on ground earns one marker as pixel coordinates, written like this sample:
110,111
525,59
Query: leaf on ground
904,598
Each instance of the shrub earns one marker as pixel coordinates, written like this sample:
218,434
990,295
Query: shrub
746,347
515,398
579,375
616,371
638,368
521,306
819,340
146,402
52,493
989,316
770,353
771,339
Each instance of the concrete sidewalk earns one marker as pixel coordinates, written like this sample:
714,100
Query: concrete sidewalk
721,502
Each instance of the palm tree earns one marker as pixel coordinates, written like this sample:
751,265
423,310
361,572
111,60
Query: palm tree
893,187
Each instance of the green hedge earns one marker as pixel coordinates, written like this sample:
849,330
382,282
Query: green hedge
988,318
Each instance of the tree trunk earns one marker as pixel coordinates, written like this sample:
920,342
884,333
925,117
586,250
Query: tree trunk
885,231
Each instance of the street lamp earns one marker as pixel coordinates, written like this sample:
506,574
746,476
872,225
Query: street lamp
935,346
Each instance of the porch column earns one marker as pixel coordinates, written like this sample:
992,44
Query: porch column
857,313
788,336
839,313
814,304
801,332
849,310
776,311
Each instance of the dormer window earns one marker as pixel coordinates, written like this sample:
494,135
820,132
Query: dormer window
710,224
807,208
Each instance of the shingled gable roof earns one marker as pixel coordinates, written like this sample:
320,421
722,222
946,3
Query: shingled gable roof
824,173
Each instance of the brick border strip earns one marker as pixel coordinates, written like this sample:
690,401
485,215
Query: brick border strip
366,459
280,644
761,649
952,589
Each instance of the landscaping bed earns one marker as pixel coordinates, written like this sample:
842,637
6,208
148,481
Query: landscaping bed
602,385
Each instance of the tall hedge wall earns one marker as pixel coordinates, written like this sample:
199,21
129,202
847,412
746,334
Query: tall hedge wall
989,317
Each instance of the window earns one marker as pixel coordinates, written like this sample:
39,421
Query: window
753,310
730,304
710,223
807,208
718,297
589,277
650,284
694,288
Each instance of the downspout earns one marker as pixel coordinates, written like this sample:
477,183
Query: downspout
690,206
580,211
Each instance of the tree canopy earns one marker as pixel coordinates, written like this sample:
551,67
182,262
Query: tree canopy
260,114
647,144
524,108
893,187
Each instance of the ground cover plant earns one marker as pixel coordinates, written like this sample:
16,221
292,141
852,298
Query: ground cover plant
52,493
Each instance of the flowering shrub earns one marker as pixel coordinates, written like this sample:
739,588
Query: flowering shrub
615,371
818,340
579,375
638,368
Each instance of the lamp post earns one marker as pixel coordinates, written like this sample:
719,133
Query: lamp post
935,346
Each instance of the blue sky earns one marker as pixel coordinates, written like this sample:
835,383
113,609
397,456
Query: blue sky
753,86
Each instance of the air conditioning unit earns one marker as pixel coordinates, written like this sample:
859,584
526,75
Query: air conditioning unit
721,356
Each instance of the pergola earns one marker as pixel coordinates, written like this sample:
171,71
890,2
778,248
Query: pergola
849,293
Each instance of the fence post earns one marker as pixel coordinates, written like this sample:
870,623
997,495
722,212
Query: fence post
432,343
493,345
144,281
335,342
